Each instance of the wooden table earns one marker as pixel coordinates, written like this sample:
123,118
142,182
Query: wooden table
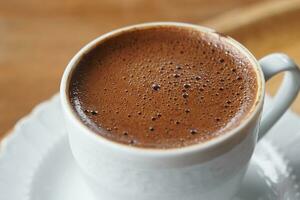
38,38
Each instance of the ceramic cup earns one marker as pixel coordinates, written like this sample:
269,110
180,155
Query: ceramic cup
210,171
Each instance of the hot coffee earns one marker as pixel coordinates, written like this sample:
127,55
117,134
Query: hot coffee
163,87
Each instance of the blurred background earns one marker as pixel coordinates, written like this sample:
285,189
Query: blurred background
38,38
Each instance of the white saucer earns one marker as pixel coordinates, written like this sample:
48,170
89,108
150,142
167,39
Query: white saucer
36,162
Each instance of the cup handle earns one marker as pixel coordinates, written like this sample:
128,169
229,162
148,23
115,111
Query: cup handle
271,65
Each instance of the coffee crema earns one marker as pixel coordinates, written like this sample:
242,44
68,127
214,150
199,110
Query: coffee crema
163,87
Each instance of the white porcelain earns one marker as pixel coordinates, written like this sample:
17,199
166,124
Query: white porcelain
211,171
36,162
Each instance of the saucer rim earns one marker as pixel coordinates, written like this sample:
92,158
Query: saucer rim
12,137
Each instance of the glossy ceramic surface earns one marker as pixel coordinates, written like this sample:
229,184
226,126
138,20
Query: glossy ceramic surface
36,162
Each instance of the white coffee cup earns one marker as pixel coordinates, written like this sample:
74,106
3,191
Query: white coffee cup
210,171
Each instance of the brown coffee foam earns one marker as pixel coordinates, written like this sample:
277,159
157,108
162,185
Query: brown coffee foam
163,87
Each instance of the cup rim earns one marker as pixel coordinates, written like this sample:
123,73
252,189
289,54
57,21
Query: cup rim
140,151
